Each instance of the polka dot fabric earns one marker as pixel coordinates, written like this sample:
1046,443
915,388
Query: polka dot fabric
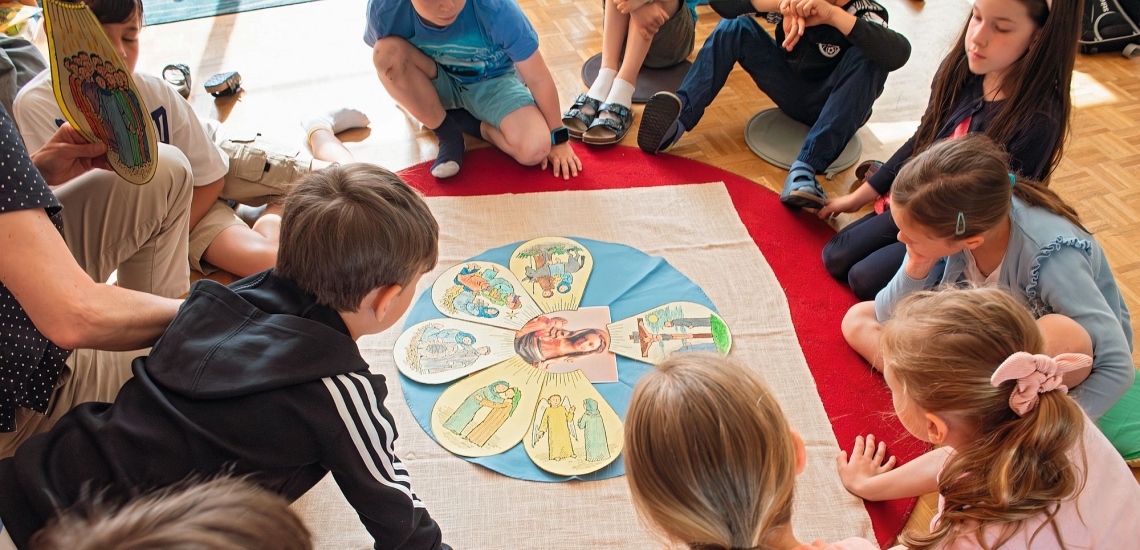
29,363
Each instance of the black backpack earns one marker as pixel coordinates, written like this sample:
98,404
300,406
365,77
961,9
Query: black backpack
1111,25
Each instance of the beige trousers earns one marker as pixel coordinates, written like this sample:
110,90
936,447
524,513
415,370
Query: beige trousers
139,230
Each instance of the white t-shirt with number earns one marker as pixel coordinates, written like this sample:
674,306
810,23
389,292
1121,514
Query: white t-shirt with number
38,116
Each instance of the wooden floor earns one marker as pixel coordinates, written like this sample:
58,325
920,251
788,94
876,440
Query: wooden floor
310,56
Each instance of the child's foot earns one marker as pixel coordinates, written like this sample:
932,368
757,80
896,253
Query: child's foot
660,125
467,122
801,190
451,146
335,121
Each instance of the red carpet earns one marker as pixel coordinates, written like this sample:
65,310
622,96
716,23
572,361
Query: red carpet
857,400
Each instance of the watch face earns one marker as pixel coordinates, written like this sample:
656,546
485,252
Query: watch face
560,135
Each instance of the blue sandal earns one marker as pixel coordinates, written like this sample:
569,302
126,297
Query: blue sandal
576,120
801,190
607,131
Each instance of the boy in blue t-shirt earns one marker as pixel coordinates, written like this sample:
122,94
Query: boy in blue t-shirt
456,66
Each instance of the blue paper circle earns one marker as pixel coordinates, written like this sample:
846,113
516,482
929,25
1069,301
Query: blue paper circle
625,279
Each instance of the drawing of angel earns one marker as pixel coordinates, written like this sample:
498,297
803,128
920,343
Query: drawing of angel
495,418
555,419
594,432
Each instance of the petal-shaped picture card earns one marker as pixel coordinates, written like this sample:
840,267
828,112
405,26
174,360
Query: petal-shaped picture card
483,292
554,270
488,412
442,350
573,430
96,92
653,335
566,341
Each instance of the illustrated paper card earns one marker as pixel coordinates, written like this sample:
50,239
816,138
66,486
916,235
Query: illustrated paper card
483,292
653,335
96,92
566,341
574,431
555,271
487,413
442,350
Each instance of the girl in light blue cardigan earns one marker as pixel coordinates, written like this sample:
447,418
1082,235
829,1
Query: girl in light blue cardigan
965,219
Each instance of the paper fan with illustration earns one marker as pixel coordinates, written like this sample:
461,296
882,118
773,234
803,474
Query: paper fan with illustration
534,359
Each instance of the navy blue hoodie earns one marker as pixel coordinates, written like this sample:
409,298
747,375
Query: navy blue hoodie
254,379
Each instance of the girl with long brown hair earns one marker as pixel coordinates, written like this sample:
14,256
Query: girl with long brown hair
964,218
1007,77
711,460
1020,465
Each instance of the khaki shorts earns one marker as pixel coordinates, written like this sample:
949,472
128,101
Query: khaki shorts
674,41
219,217
260,171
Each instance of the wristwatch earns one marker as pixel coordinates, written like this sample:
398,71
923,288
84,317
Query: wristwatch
559,135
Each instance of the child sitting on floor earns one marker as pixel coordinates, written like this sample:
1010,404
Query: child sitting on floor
964,218
651,34
263,378
245,169
1021,466
710,458
459,66
825,69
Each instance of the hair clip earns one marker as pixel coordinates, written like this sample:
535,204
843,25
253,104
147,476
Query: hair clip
960,227
1012,180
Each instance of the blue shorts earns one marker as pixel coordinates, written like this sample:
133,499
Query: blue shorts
488,100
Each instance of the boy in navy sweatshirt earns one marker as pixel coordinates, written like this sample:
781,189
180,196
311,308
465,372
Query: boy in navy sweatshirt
262,378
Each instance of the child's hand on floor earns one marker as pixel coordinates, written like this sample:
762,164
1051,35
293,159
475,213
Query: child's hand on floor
628,6
867,461
564,161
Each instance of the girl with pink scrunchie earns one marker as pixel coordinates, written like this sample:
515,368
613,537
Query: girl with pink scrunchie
1019,464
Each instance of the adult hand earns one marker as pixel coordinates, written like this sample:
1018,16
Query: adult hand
840,205
68,155
629,6
563,160
867,461
649,19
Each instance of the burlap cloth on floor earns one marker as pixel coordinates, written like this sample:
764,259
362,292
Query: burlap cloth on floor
695,228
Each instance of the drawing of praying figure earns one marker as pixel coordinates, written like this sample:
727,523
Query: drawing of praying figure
557,423
690,322
441,349
489,396
594,432
495,418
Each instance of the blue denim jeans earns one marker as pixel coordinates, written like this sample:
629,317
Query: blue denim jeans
835,107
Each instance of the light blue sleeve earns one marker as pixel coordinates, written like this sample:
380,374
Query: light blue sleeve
901,286
1068,286
508,28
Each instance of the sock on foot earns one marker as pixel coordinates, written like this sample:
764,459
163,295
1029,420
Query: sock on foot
600,90
621,93
450,156
335,120
467,122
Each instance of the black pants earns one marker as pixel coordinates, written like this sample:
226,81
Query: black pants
866,254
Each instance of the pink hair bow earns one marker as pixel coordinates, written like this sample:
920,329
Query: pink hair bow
1036,374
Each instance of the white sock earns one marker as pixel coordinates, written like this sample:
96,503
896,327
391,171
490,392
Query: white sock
621,94
335,120
601,88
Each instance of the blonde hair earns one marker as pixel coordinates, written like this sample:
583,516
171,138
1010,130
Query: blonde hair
967,180
943,347
223,514
708,453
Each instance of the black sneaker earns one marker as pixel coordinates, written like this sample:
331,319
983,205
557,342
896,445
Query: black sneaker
657,120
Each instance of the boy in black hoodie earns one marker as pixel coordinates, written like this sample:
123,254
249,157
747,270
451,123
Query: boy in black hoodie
262,378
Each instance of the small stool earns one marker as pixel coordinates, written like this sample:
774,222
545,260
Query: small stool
649,81
777,138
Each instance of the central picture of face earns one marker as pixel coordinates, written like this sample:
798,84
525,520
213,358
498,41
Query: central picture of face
566,341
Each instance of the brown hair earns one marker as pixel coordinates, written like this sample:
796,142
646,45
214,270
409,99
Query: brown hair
347,230
223,514
943,347
968,176
1040,77
708,453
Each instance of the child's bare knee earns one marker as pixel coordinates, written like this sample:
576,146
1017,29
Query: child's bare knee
391,57
532,153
